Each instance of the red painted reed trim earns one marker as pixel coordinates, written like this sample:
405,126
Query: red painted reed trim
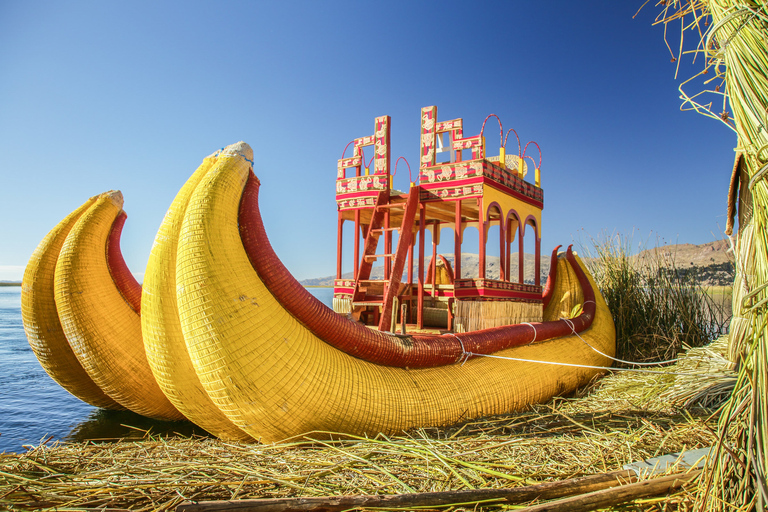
551,278
126,284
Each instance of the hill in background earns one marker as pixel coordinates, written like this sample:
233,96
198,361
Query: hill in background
470,267
710,263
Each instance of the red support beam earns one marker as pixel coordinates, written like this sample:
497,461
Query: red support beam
507,250
434,261
410,263
537,277
357,243
502,247
457,242
520,255
420,306
339,246
481,229
387,246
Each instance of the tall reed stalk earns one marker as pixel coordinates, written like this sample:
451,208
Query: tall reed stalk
732,36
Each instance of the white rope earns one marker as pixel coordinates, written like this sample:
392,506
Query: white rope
534,331
659,363
464,354
609,368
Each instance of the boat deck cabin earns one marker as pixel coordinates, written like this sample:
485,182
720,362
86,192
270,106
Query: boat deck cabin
466,189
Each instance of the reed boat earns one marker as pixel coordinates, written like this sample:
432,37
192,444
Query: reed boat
229,340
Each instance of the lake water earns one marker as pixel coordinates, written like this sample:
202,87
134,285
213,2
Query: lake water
33,407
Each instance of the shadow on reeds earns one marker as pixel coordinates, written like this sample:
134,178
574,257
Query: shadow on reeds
658,307
109,426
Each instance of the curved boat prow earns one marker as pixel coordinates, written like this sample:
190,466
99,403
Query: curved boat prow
279,363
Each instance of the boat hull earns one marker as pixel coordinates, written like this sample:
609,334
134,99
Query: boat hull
239,347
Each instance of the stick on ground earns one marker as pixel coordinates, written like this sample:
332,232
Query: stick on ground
545,491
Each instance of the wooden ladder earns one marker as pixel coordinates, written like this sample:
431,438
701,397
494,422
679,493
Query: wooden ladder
405,236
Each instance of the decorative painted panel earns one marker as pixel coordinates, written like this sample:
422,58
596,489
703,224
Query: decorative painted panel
343,288
358,202
450,180
452,192
380,142
428,122
471,289
373,183
448,172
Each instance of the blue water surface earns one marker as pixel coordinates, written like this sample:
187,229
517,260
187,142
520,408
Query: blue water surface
33,407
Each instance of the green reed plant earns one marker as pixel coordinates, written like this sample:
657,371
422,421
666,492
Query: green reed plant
658,307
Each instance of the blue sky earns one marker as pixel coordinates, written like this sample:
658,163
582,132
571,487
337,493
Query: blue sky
133,95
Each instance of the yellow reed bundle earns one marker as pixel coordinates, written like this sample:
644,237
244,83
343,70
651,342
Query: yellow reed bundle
101,327
41,319
161,329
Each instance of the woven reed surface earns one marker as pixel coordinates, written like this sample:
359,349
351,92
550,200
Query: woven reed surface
41,320
101,327
161,329
274,379
476,315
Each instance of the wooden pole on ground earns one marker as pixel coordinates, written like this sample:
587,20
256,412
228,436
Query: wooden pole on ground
617,495
545,491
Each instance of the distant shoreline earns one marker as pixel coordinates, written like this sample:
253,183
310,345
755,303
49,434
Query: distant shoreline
10,283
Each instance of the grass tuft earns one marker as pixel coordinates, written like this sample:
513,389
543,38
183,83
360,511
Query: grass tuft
658,307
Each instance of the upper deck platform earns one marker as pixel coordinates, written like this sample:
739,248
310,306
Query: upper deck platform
454,193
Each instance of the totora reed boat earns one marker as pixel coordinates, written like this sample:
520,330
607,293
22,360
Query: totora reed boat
221,334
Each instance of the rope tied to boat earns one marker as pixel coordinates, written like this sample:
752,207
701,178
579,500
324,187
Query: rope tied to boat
464,357
534,330
658,363
575,365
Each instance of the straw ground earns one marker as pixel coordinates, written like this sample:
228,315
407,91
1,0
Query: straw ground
620,419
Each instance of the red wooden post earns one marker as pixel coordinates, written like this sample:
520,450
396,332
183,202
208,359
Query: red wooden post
502,246
410,275
521,255
420,306
434,260
410,265
387,246
338,246
481,229
357,242
457,242
537,278
507,250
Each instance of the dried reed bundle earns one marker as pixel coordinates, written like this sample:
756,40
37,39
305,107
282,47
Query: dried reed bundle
731,36
476,315
706,377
